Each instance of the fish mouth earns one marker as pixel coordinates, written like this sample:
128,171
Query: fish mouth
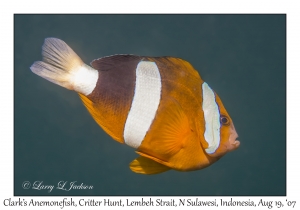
234,143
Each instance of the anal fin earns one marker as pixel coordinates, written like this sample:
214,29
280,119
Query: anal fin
143,165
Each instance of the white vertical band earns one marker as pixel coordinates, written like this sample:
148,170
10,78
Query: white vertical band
212,119
84,79
144,104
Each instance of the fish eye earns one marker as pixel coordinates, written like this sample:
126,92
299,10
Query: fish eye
224,120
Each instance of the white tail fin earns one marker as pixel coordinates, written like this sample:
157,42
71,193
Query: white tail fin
62,66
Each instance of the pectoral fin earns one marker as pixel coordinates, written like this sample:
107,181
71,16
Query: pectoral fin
169,132
143,165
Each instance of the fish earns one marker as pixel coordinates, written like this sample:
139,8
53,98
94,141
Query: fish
160,106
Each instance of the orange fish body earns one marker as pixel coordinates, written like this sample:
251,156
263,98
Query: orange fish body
158,105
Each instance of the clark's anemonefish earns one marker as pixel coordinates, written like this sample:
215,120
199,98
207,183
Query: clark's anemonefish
160,106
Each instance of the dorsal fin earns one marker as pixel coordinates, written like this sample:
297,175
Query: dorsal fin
116,61
176,64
